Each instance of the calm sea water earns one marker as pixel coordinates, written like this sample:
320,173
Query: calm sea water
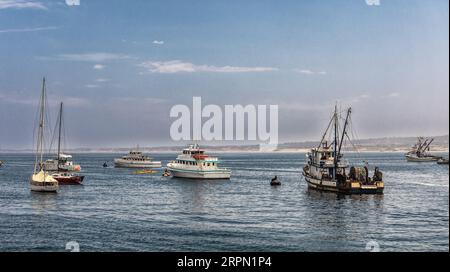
118,211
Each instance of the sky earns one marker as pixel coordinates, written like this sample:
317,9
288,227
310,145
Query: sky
120,66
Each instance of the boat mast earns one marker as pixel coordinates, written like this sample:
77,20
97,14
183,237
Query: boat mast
40,140
59,132
335,141
349,111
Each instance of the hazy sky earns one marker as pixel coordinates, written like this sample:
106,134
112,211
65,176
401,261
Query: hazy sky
120,66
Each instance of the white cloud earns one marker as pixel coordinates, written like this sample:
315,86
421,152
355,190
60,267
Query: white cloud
309,72
102,79
91,86
21,4
177,66
88,57
13,30
21,99
395,94
99,66
158,42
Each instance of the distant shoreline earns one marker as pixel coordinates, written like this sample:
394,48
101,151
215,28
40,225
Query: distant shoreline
300,151
375,145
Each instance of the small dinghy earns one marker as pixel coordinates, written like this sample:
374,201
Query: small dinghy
166,173
275,182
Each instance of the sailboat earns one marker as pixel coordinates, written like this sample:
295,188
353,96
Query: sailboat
41,180
63,162
63,175
327,170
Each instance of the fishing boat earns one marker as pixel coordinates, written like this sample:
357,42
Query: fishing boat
420,151
41,180
442,161
327,170
196,164
135,159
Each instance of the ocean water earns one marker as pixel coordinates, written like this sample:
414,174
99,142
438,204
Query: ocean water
116,210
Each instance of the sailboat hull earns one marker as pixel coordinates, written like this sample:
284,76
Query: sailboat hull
69,180
43,182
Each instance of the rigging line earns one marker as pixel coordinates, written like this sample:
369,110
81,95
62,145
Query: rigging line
53,136
354,136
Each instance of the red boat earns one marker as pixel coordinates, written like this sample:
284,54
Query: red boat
68,179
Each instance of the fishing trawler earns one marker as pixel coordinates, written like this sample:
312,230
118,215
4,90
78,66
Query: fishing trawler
135,159
41,180
194,163
420,151
327,170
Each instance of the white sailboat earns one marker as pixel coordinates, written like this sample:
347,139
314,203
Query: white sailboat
42,181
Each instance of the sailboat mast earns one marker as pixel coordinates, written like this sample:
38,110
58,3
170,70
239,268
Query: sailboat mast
42,123
40,140
59,132
335,141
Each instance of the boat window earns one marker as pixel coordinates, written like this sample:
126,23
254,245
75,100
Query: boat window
209,164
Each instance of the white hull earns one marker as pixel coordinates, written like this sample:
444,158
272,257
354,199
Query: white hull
46,188
139,164
217,174
43,182
421,159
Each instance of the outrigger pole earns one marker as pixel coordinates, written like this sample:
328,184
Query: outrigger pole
326,132
349,111
425,148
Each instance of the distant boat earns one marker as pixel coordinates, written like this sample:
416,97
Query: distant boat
442,161
135,159
1,163
327,170
145,171
275,181
41,180
419,152
67,178
62,162
194,163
